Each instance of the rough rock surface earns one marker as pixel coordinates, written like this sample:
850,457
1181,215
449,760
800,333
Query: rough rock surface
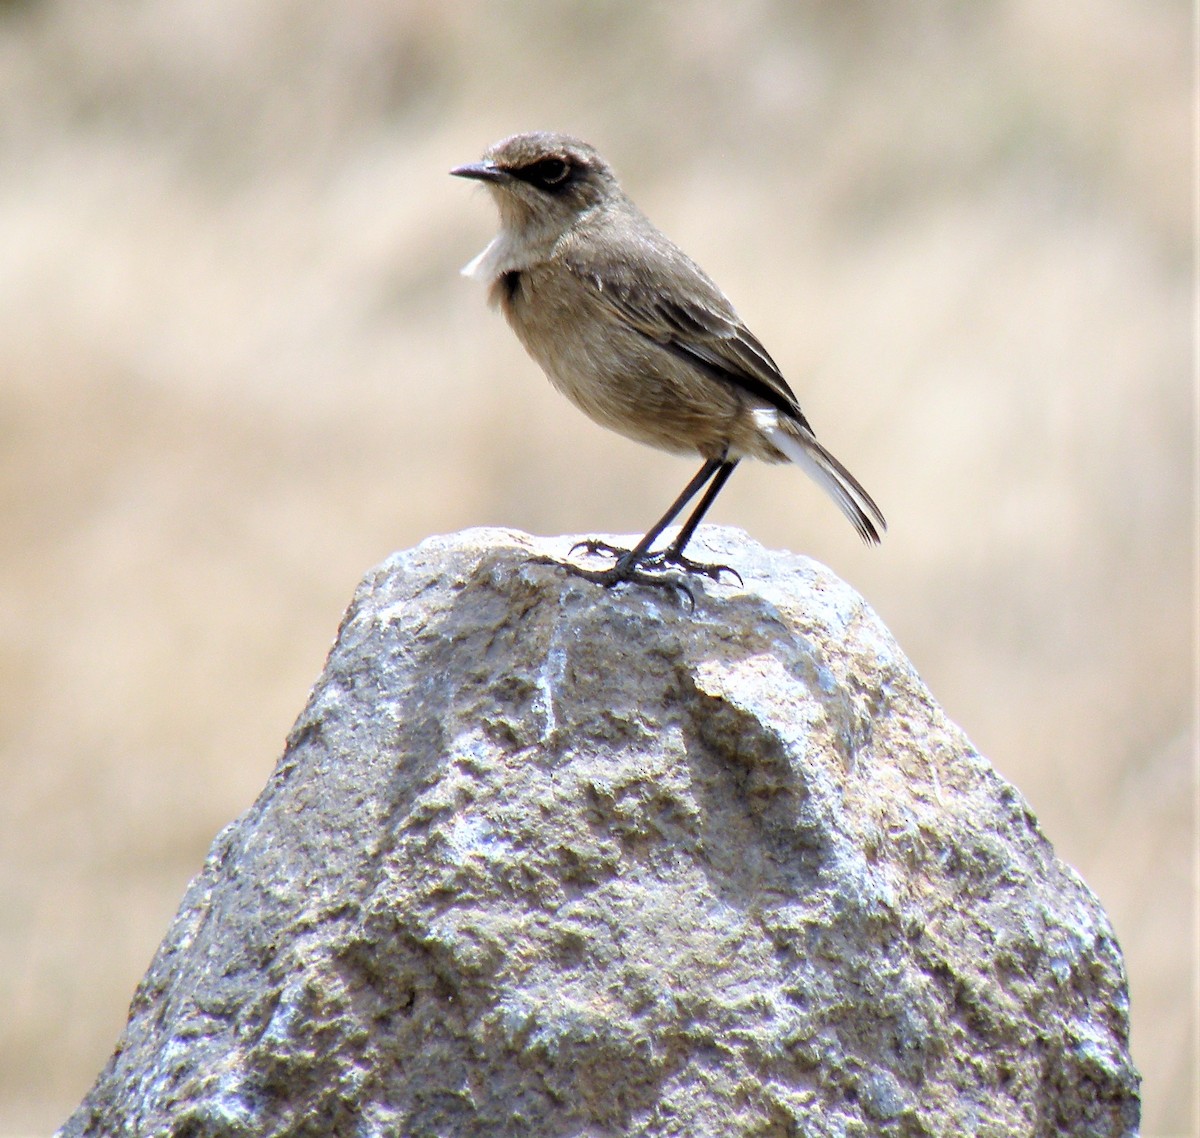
542,859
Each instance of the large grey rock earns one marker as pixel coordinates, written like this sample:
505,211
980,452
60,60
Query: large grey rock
546,860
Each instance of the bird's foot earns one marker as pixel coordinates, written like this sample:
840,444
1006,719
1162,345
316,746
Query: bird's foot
673,558
627,569
633,574
657,562
653,569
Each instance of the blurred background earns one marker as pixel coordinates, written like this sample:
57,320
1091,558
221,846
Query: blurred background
238,367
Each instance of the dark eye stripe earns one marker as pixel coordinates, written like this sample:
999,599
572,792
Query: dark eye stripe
550,174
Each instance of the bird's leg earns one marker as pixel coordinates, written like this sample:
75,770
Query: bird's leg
640,552
673,554
637,565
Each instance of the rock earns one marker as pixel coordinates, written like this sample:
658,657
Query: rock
544,859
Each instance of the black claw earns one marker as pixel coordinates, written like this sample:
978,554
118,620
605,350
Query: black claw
643,569
593,546
655,562
668,558
625,571
631,575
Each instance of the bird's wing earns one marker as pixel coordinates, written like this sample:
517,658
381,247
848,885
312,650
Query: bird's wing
662,294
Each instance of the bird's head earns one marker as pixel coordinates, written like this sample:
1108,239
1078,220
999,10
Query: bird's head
542,181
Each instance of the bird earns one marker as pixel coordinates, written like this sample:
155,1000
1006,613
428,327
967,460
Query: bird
641,339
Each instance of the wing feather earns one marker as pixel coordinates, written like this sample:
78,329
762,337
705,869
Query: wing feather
662,294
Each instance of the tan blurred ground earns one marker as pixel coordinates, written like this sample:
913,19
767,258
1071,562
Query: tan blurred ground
238,367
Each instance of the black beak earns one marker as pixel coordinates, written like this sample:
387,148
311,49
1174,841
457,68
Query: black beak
485,171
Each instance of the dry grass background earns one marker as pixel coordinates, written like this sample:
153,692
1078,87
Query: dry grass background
238,368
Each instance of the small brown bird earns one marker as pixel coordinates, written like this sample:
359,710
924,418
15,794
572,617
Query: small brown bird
638,337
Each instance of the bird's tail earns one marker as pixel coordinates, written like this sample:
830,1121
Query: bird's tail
804,450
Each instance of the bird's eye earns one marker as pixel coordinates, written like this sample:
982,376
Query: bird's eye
549,173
